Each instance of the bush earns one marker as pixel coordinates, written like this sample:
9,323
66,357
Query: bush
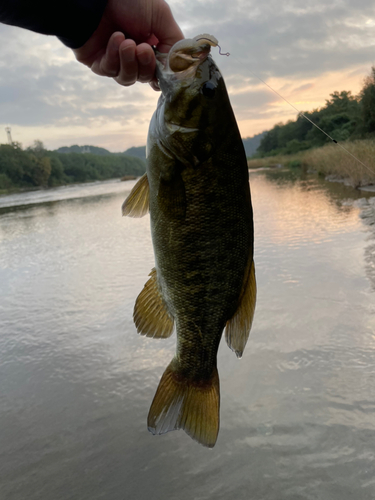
5,182
295,164
38,167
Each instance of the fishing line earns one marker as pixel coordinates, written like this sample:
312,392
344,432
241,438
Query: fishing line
300,113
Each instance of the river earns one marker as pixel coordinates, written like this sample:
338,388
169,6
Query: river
76,381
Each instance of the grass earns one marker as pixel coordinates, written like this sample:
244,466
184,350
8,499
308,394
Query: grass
331,160
274,161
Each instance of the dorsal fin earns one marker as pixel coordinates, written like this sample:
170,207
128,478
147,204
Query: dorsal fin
238,327
137,204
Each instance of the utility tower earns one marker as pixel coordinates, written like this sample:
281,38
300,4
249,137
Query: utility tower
9,135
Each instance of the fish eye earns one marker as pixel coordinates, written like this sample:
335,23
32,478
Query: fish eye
208,90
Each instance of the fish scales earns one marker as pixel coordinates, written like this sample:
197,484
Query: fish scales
201,260
202,232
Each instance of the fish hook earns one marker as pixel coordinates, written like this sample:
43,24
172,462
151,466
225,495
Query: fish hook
223,54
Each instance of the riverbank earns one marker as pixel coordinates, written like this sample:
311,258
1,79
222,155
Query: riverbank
38,168
331,161
51,189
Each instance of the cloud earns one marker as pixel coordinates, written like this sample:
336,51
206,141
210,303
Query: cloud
42,85
55,89
283,38
307,49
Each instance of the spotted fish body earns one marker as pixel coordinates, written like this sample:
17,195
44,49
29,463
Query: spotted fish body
197,191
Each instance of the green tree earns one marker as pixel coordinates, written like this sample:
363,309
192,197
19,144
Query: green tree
57,176
339,118
270,141
38,171
38,167
13,162
367,96
5,182
37,149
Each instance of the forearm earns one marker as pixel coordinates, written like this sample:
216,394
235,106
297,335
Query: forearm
73,21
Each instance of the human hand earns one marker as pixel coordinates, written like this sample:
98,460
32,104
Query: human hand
121,46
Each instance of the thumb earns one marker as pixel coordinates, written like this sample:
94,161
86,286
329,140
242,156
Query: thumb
165,28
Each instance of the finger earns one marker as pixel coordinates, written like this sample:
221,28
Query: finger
146,62
165,28
154,85
128,63
110,62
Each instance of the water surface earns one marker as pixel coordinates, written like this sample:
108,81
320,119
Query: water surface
297,411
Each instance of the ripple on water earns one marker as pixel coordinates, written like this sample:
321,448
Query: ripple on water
297,412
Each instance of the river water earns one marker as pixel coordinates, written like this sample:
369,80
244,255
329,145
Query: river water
76,381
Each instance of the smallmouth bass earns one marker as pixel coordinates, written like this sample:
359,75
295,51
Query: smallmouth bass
196,189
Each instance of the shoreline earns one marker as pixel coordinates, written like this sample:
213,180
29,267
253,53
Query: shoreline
15,190
332,162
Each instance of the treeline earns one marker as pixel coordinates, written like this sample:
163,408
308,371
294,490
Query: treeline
344,117
38,167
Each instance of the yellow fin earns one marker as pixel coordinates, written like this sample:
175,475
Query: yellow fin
151,316
180,403
137,204
238,327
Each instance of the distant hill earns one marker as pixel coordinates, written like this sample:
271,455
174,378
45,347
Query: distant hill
251,144
139,152
84,149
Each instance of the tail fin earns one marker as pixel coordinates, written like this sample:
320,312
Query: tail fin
180,403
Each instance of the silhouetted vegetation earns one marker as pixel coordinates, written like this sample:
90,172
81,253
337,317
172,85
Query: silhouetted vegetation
38,167
344,117
138,152
84,149
251,144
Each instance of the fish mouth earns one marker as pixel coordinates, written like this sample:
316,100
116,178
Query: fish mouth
185,56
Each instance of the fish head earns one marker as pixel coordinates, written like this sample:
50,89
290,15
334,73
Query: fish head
194,98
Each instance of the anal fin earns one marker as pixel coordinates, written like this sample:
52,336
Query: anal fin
137,204
151,316
238,327
180,403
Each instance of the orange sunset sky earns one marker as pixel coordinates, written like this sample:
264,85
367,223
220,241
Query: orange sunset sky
305,51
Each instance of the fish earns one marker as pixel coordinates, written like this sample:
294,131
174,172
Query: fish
196,189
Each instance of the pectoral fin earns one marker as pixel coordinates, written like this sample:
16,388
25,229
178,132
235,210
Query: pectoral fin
238,327
137,204
151,316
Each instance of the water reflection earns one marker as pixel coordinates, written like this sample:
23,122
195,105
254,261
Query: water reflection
368,217
297,412
69,192
300,210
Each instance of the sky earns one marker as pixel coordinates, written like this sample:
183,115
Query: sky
304,50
